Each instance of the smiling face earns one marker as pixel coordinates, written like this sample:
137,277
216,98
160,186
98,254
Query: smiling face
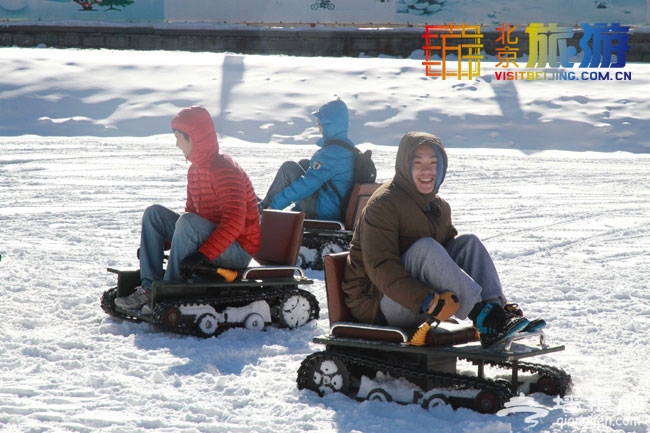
423,170
184,143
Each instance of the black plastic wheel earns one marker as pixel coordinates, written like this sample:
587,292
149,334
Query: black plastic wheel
297,309
546,384
171,317
207,323
487,401
379,394
433,401
323,373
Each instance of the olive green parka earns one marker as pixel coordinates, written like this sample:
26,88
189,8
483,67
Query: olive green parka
396,216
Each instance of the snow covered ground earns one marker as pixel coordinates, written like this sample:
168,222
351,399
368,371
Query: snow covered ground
552,175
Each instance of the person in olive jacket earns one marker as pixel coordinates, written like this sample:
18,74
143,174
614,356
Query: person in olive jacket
406,253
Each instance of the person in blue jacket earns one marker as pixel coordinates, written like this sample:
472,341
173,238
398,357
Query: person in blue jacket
318,186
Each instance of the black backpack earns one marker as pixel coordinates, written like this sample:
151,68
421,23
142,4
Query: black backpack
364,169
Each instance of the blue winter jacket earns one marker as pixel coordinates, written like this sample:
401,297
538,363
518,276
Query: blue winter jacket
333,163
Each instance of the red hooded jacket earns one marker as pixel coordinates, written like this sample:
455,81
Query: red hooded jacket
218,189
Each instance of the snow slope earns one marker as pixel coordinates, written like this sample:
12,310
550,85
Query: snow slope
553,176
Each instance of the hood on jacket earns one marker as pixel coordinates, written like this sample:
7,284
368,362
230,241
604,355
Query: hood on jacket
404,161
197,123
333,118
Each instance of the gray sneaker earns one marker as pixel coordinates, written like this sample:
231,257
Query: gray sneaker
146,309
135,300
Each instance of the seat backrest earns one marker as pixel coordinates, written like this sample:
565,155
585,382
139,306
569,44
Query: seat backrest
334,266
280,239
343,324
359,196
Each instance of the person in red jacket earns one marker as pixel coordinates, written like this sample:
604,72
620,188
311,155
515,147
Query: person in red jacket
220,225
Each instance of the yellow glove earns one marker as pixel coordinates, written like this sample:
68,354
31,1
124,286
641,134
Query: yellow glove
443,306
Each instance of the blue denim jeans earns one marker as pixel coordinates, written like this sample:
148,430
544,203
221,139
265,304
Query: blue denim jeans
186,232
288,173
464,267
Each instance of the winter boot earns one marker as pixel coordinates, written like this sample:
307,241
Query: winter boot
495,325
533,325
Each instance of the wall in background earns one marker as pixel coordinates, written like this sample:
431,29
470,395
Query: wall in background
331,12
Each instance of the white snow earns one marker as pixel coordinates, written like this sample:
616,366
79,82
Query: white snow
553,176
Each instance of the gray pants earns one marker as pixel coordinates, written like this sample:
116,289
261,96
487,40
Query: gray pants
288,173
463,267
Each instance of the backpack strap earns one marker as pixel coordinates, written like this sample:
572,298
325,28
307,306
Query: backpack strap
343,143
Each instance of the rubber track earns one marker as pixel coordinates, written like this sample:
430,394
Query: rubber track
434,378
562,378
107,303
220,303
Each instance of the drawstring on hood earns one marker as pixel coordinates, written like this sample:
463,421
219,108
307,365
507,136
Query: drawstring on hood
404,163
197,123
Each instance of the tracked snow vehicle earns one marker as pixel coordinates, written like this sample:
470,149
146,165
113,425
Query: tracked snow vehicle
323,237
268,294
377,362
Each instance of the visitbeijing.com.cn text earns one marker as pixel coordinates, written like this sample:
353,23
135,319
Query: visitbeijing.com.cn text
554,75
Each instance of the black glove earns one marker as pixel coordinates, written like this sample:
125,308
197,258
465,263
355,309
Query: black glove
192,262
